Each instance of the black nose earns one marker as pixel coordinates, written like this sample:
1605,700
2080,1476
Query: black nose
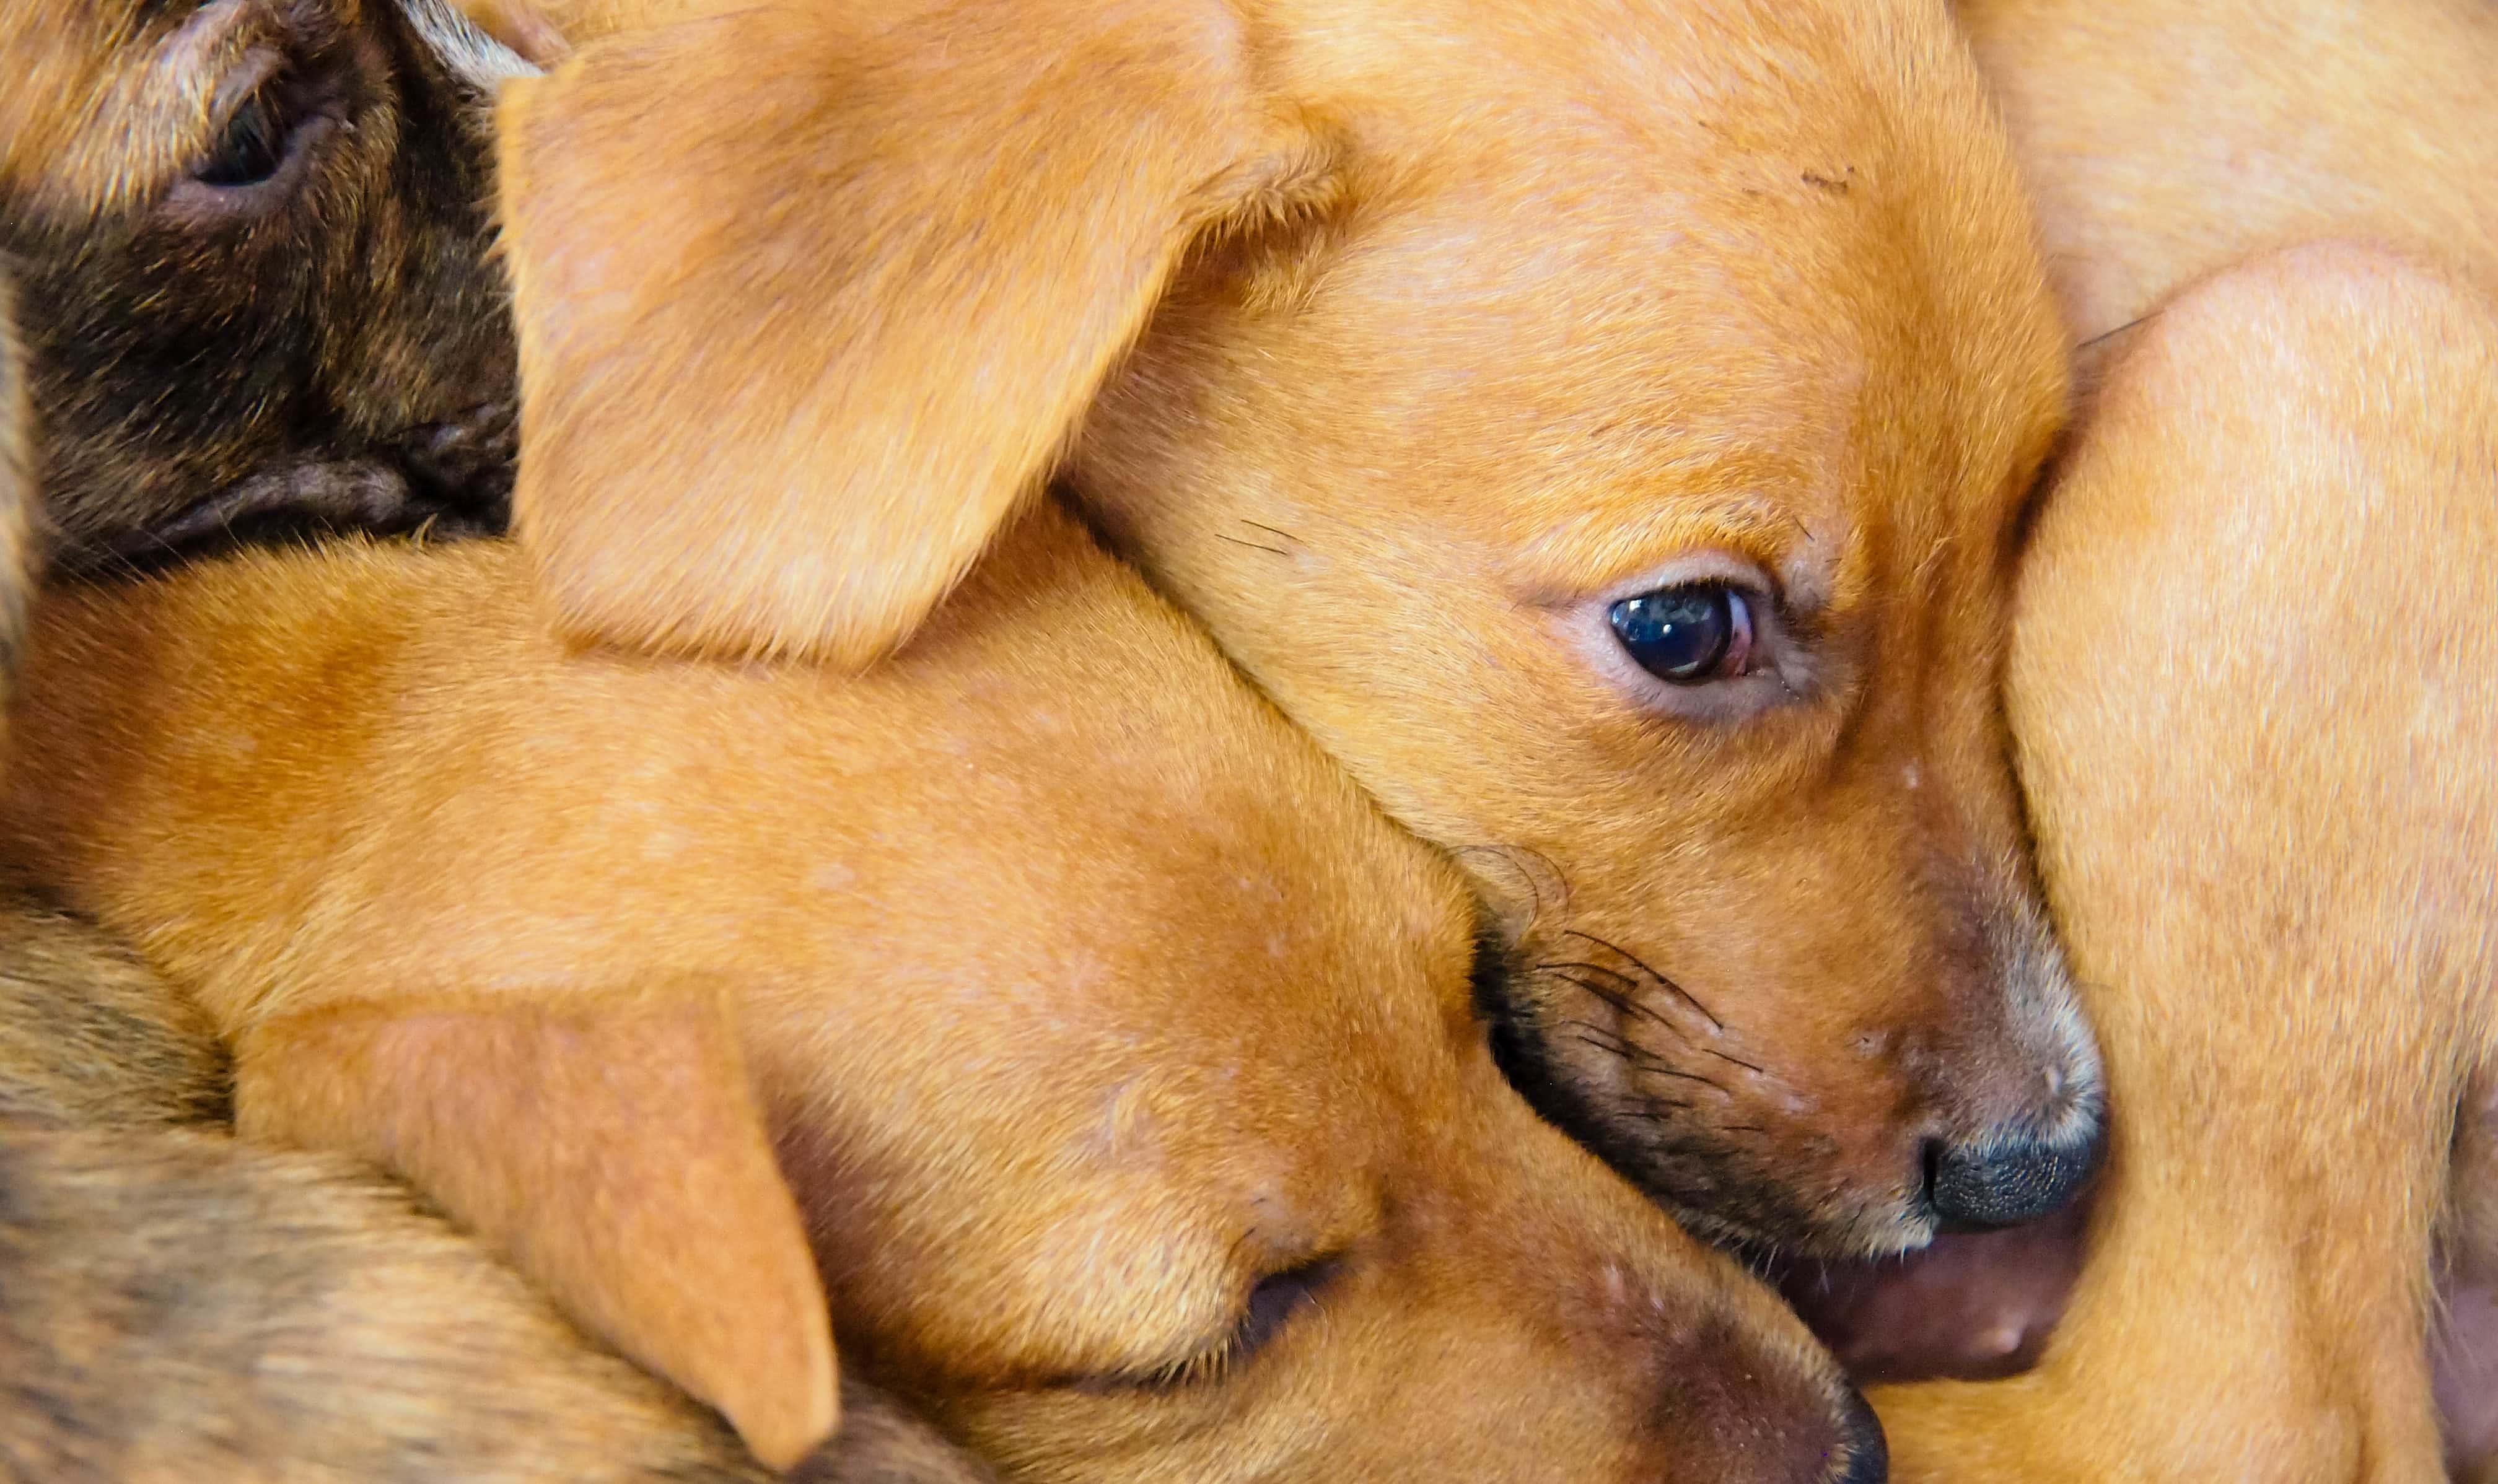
1869,1457
2008,1178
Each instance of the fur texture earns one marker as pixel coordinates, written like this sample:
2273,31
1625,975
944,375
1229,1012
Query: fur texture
2251,688
2164,140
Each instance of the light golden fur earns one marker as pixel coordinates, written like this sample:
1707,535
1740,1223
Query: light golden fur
1078,996
2164,140
2251,688
1396,342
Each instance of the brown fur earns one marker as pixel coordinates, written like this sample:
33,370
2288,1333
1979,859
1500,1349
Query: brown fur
1079,994
191,371
2251,688
182,1307
1397,344
17,483
2166,139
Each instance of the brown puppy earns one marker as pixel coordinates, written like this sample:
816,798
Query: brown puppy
1122,1061
183,1307
2166,139
1597,424
2253,692
195,191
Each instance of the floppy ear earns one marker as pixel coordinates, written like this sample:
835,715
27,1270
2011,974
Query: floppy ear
612,1150
809,303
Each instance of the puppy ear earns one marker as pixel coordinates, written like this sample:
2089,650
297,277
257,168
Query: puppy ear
809,303
612,1150
16,492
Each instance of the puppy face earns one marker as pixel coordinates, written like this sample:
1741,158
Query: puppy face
1633,520
277,210
1121,1062
1601,429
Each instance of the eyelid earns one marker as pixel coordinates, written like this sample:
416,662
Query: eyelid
1272,1303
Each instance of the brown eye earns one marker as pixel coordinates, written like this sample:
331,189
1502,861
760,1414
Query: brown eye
252,147
1687,635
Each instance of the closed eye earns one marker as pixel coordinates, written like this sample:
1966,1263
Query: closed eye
1272,1303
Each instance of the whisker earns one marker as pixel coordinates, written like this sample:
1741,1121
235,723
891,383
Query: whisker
1678,991
1638,1056
1737,1060
1256,546
1621,1001
1628,983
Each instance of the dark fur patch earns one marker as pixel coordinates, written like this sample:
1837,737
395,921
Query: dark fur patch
343,359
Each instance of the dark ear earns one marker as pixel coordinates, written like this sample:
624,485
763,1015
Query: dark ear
18,574
612,1150
808,304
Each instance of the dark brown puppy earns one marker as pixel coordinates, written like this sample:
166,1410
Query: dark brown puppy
184,1306
194,192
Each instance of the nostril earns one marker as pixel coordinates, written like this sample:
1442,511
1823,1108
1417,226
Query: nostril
2003,1181
1868,1458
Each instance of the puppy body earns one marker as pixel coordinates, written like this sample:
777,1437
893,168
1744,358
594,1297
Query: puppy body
184,1306
2251,687
1400,344
1081,997
2164,140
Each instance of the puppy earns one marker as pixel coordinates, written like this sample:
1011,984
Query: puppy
2163,139
197,190
181,1306
2252,693
1597,424
1121,1062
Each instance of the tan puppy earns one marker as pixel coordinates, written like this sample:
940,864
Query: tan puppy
1597,424
184,1306
1122,1061
2167,139
2253,690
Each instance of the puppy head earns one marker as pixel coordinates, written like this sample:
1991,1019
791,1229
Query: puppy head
1247,1197
1119,1056
253,241
1602,429
1623,486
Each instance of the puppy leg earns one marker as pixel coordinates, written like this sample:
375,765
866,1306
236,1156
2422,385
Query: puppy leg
2253,694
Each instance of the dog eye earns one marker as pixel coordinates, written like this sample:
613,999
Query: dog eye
1272,1303
252,147
1688,635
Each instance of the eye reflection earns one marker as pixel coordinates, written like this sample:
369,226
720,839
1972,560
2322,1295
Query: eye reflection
1687,634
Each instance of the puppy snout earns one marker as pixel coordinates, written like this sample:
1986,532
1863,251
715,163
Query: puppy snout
2006,1178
